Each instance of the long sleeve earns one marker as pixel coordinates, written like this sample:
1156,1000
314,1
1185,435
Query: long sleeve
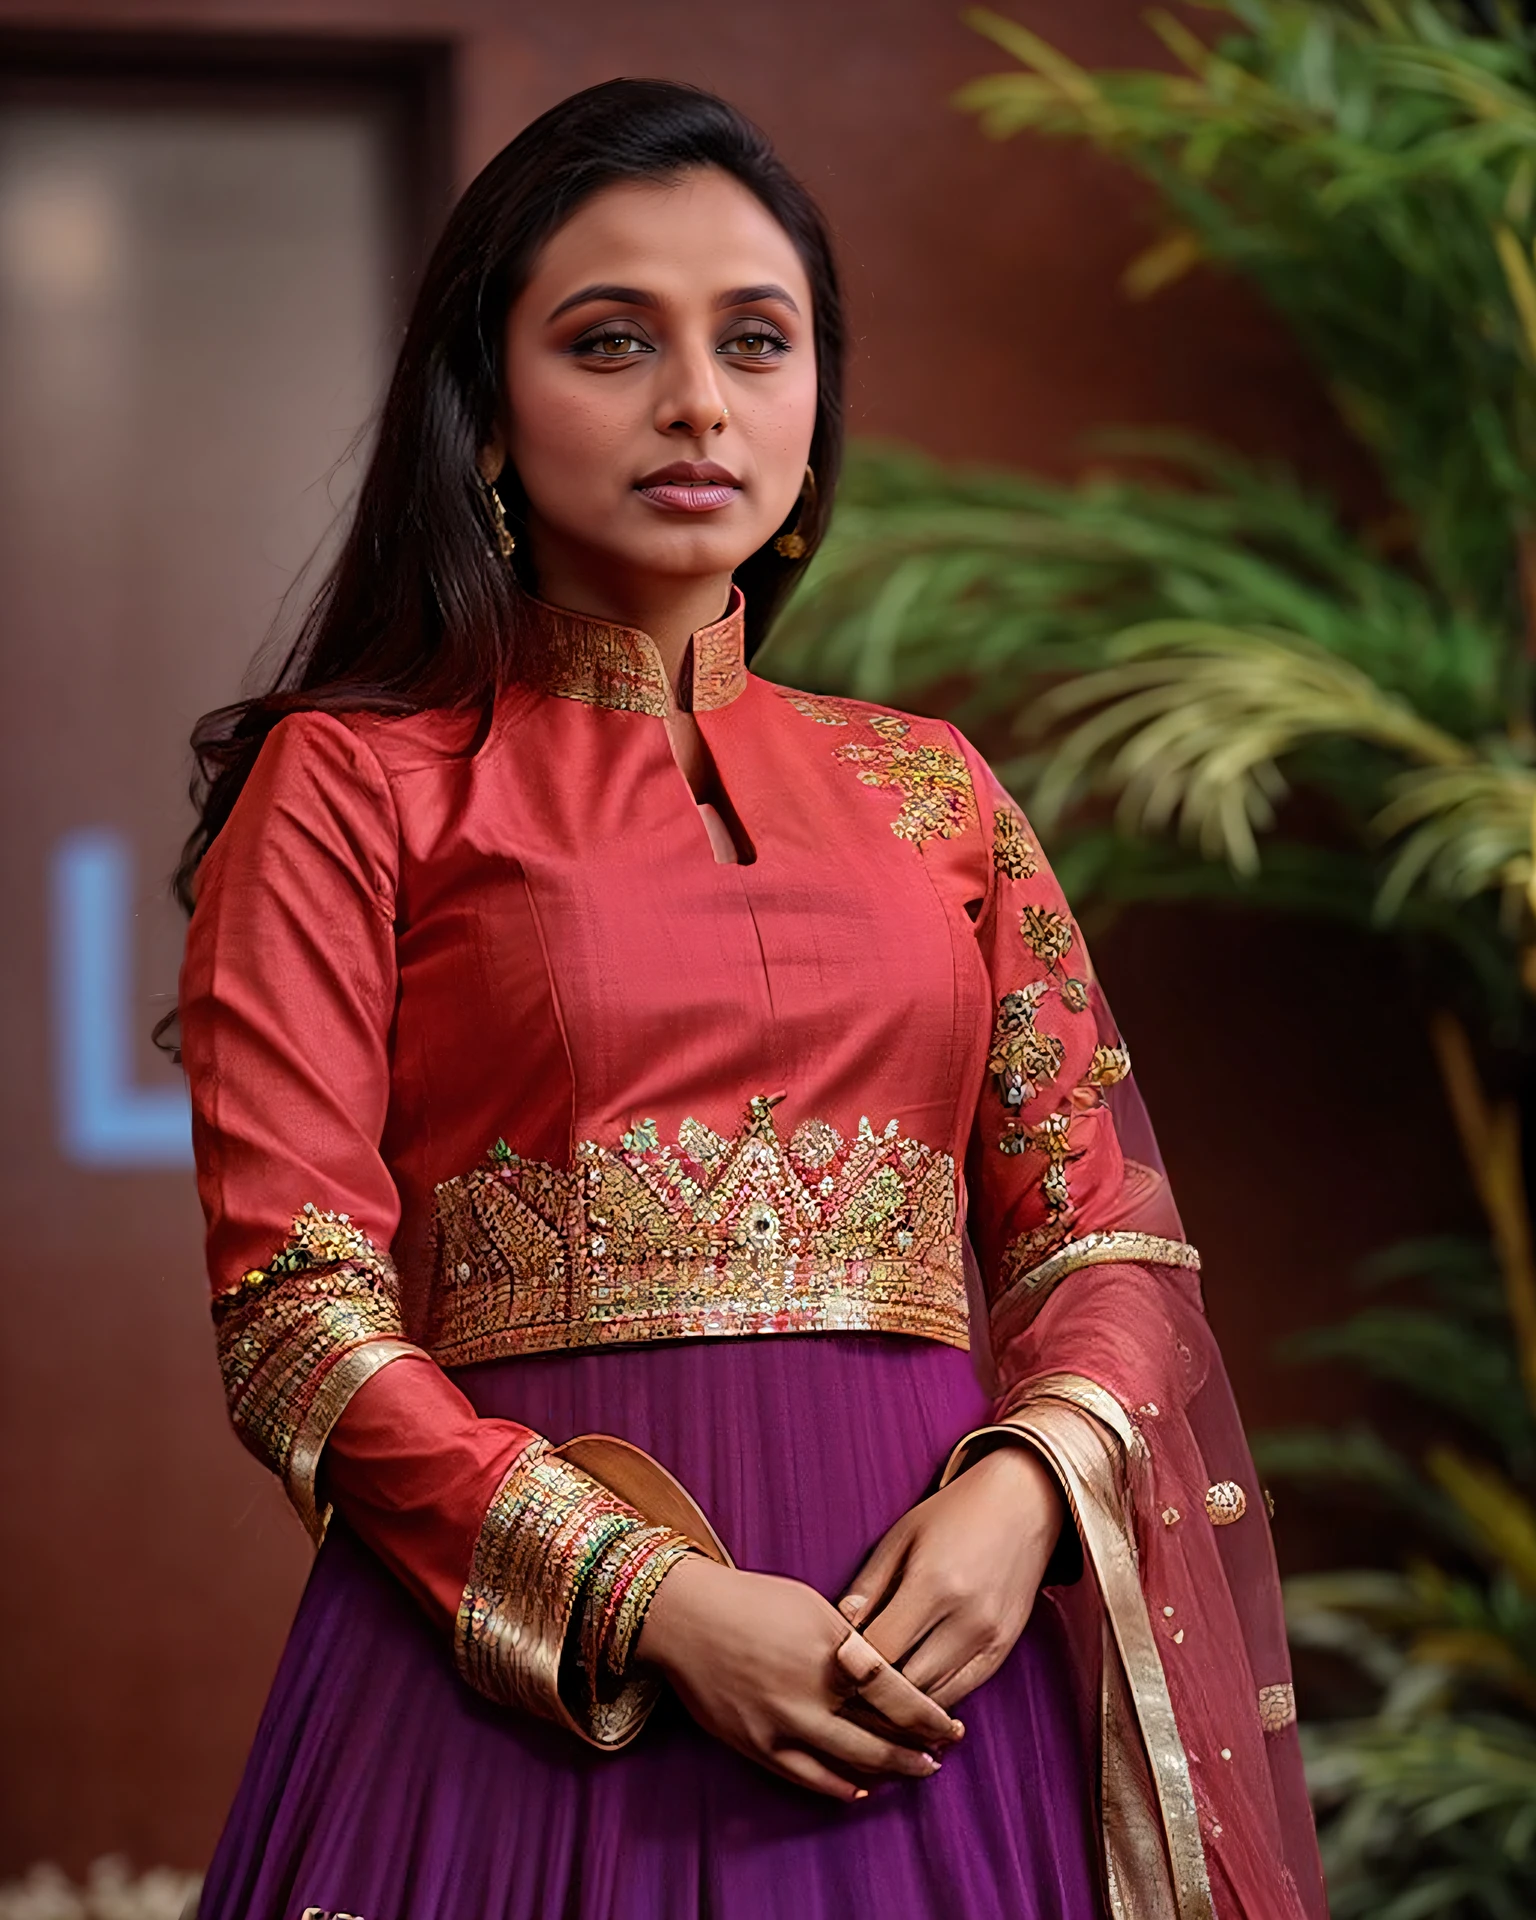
287,1001
1105,1364
1052,1187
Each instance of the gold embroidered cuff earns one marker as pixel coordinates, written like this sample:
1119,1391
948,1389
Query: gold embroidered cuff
1022,1294
330,1401
298,1337
557,1549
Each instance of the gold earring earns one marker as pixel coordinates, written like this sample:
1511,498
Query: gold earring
793,544
505,541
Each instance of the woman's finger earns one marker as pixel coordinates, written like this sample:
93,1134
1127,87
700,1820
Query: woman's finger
875,1578
908,1617
949,1693
941,1655
793,1763
955,1659
857,1748
892,1695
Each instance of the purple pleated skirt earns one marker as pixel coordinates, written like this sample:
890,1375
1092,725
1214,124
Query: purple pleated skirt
381,1786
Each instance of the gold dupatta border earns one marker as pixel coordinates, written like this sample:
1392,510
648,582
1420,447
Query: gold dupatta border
1071,1420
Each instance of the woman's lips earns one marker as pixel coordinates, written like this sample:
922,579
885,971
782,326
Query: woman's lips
688,496
689,486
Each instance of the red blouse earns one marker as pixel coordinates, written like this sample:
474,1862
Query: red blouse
486,992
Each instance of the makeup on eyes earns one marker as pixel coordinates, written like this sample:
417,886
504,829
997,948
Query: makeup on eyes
592,344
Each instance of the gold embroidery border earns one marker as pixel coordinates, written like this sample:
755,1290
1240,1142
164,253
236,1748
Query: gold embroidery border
332,1398
604,665
1030,1290
552,1546
298,1337
1070,1419
515,1612
596,1263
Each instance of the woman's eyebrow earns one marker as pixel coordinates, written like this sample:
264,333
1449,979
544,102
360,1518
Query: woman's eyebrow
619,296
750,296
638,297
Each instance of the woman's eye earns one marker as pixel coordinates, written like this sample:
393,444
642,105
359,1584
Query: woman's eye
614,344
758,345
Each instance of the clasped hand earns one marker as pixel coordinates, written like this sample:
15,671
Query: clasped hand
940,1603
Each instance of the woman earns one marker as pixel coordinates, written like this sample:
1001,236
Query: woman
586,1039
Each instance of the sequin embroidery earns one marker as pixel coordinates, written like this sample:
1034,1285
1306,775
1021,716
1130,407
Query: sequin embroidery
826,713
715,1235
619,668
1013,852
1108,1066
934,781
282,1327
1021,1055
1047,934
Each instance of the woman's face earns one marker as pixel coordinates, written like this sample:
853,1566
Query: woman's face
661,383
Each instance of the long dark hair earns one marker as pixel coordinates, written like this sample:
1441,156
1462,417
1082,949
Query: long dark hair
417,610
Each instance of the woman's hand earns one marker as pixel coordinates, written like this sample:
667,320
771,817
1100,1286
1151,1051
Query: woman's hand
766,1665
949,1589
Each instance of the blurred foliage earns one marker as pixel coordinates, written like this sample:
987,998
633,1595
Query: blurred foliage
1208,684
1191,654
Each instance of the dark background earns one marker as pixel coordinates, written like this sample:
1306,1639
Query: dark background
209,215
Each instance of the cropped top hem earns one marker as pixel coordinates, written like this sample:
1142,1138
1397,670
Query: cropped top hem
881,1300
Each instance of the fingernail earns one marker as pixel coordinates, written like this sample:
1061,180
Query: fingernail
862,1793
933,1765
851,1605
957,1729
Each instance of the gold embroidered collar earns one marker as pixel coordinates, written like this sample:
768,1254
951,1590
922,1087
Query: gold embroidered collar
582,658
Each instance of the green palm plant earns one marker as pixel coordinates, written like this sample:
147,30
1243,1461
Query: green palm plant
1207,684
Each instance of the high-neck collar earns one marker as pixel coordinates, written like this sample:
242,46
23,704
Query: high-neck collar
580,657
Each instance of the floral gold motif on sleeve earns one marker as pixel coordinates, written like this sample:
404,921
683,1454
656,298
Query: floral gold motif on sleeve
1047,934
319,1239
1052,1139
719,1234
1109,1066
933,780
826,713
1074,995
1021,1055
1013,852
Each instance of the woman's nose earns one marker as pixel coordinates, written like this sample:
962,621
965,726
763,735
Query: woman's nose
691,402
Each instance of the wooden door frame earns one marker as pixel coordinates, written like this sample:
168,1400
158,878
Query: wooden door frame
407,80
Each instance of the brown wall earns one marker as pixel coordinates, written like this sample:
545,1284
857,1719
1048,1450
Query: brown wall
1295,1097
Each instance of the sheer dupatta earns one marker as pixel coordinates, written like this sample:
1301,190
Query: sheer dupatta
1103,1360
